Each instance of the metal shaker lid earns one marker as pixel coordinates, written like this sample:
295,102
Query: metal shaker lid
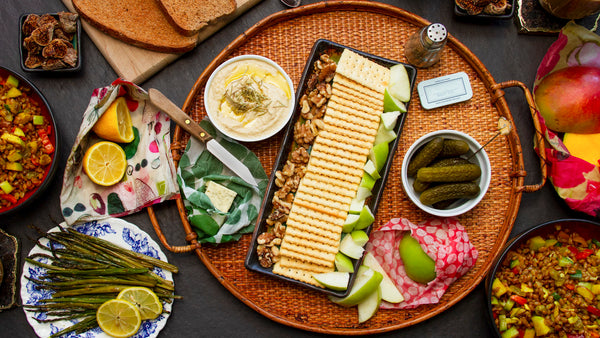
436,34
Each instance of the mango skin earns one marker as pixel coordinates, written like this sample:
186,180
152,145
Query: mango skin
418,265
569,100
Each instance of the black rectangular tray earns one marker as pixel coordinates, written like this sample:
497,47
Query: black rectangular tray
319,48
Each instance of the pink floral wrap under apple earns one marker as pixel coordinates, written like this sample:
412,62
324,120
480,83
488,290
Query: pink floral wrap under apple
443,239
575,180
150,176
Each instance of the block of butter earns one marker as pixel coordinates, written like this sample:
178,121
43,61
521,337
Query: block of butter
220,196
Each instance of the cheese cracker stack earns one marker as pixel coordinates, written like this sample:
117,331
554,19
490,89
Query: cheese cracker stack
335,169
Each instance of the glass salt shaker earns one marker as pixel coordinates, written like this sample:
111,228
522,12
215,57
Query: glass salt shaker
423,48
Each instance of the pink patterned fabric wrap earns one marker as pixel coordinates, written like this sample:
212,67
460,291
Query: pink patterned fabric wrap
443,239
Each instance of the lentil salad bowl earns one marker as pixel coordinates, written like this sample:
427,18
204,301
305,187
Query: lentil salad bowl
28,142
546,282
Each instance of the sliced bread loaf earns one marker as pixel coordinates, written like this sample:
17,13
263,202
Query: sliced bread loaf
190,16
137,22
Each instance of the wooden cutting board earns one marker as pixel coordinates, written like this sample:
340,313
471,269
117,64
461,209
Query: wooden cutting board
137,64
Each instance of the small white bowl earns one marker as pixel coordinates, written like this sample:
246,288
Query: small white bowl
259,136
463,205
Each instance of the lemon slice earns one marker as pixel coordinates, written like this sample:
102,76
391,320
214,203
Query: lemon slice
145,300
105,163
118,318
115,124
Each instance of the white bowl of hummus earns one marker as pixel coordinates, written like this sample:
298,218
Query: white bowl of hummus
249,98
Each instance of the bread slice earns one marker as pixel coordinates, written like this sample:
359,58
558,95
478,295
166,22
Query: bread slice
190,16
137,22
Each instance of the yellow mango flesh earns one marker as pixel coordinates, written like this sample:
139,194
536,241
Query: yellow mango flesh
583,146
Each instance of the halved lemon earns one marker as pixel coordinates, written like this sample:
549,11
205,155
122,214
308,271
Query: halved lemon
118,318
145,299
105,163
115,124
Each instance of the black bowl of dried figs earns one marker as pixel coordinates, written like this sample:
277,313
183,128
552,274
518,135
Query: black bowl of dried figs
50,42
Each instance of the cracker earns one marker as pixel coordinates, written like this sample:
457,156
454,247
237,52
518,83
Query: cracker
311,245
347,93
331,119
340,153
297,274
321,204
306,254
363,70
359,110
332,187
335,166
343,146
352,87
329,134
324,192
295,264
348,187
323,236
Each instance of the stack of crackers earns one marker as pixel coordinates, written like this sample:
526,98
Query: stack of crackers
335,169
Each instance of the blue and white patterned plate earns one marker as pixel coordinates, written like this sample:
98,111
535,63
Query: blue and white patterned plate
114,230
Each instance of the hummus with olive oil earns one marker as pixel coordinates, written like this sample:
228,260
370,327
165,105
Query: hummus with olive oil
249,98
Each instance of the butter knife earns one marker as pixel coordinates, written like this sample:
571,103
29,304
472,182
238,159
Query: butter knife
188,124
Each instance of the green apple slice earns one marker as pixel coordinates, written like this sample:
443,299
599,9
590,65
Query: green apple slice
366,283
399,85
369,306
379,154
359,237
343,263
357,203
389,119
350,222
390,103
349,247
371,169
365,219
389,291
334,280
367,181
384,135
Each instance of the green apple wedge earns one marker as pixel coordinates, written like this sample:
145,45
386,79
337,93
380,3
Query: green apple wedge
384,135
418,265
365,218
359,237
367,281
357,203
399,85
379,154
369,306
350,223
390,103
367,181
335,280
389,291
389,119
350,248
343,263
371,169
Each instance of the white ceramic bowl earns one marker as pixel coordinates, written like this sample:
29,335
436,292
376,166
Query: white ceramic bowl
463,205
258,136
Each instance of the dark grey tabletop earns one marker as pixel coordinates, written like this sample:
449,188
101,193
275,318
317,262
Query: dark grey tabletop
208,309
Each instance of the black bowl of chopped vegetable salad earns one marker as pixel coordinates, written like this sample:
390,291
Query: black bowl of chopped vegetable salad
28,142
545,282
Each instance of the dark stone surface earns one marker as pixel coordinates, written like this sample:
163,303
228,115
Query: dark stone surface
208,309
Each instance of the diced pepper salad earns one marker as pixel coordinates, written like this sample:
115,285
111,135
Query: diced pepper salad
25,147
549,286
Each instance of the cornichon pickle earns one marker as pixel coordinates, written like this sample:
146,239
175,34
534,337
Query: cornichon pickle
455,173
420,186
448,191
454,148
425,155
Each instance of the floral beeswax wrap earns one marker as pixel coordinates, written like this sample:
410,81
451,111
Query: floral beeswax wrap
197,167
443,239
150,174
575,180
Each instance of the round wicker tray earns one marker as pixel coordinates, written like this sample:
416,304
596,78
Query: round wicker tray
287,37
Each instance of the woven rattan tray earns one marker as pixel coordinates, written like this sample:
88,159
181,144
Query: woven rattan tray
287,37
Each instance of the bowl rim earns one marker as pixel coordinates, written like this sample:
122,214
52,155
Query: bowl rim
35,193
484,180
508,246
22,53
289,113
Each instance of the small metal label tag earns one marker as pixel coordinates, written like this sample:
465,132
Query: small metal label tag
445,90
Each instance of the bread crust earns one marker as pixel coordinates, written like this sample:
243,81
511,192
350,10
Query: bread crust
191,16
137,22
